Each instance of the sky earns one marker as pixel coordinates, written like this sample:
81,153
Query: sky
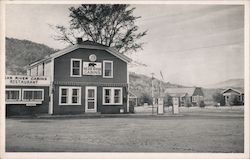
193,45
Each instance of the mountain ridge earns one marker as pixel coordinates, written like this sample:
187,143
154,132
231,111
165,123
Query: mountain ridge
234,83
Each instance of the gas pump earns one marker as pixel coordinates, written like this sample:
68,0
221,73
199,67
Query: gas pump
176,102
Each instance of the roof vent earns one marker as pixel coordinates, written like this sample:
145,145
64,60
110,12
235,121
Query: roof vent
79,40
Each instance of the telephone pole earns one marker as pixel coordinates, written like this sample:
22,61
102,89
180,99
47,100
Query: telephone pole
152,92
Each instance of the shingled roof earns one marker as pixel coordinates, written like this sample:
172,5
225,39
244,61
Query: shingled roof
87,45
238,90
181,91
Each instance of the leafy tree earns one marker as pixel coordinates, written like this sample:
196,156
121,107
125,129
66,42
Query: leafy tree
219,98
110,25
145,98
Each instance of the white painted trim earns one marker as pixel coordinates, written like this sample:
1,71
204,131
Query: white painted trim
23,102
127,90
71,67
103,69
51,88
112,95
14,89
77,46
42,90
69,102
86,99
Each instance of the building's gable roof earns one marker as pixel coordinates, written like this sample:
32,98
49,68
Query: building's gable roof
84,45
178,94
238,90
185,90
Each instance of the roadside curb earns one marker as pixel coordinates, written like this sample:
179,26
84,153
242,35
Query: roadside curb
78,116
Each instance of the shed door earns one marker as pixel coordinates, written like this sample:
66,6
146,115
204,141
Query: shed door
91,99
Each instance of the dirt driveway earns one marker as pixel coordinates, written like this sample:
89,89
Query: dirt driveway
188,133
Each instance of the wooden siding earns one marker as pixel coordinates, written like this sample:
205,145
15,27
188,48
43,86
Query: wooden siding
62,67
79,109
22,109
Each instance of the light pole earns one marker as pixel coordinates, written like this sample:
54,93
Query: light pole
152,92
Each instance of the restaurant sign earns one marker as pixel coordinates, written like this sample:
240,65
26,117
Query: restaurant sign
20,80
92,68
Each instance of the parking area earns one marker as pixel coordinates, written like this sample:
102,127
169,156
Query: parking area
191,132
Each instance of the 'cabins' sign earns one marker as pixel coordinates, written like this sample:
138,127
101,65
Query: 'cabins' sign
92,68
26,80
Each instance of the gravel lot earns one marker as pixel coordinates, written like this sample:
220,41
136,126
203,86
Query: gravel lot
187,133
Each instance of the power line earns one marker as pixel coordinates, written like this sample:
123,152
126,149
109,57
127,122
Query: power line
205,47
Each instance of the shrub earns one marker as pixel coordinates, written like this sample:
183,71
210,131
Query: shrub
202,104
219,98
189,104
145,98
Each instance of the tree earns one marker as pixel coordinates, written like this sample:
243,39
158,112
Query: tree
110,25
219,98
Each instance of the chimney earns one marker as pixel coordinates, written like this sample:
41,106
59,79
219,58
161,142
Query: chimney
79,40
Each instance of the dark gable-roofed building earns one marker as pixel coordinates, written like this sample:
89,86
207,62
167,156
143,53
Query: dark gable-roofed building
187,95
233,96
85,78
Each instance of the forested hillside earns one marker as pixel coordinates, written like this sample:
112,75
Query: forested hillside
20,53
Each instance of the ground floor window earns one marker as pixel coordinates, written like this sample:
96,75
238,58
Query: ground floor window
112,95
33,94
69,95
13,94
194,99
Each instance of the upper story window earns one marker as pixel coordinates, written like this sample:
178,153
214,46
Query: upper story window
108,69
76,67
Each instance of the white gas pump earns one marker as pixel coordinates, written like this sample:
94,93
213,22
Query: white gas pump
175,105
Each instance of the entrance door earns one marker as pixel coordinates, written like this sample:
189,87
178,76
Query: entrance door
90,99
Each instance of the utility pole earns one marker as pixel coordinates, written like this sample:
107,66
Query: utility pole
152,93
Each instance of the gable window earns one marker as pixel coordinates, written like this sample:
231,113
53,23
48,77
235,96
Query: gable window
13,94
33,94
112,96
108,69
69,95
76,67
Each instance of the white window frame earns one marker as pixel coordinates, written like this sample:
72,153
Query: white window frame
34,100
112,68
194,99
14,89
70,90
71,67
112,99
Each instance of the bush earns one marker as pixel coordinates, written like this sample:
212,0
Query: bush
189,104
234,101
219,98
202,104
145,98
